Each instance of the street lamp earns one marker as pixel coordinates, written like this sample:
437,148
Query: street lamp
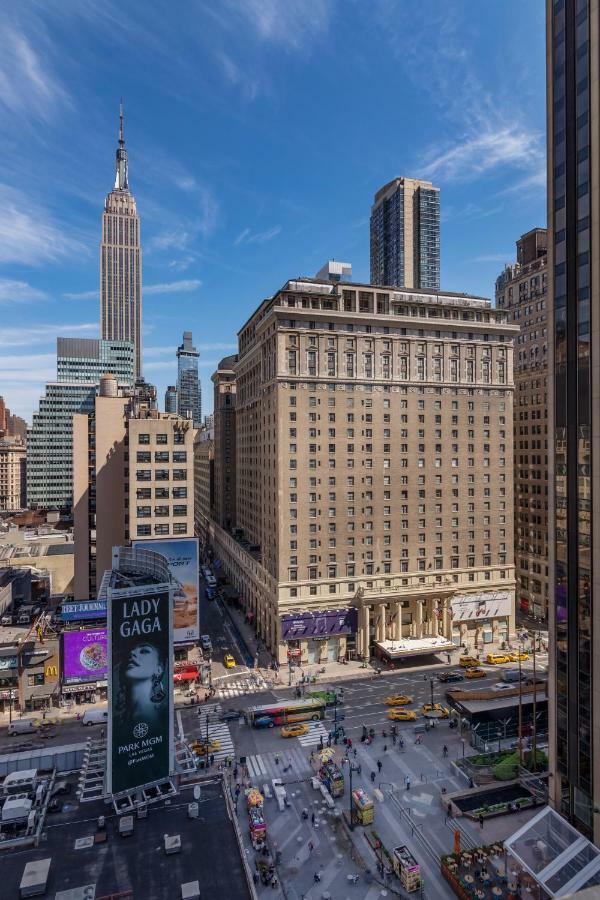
351,768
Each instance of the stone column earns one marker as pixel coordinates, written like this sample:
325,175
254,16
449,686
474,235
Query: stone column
381,612
418,623
398,622
448,622
363,631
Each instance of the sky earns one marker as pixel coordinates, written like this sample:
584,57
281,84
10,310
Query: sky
258,132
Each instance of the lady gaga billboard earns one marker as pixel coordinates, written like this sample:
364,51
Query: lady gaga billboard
140,732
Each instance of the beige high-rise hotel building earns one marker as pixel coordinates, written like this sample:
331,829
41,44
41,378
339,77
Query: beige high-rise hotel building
374,478
133,476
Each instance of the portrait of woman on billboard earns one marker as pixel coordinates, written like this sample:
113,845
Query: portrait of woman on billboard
142,692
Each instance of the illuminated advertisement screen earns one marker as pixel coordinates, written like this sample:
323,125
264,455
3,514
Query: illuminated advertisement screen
182,556
140,727
85,655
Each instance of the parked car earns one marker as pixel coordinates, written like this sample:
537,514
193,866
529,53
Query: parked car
228,715
451,676
210,593
206,642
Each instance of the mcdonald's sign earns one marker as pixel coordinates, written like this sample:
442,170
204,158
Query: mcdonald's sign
51,671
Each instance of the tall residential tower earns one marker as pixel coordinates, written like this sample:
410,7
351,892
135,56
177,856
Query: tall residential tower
189,397
405,235
121,262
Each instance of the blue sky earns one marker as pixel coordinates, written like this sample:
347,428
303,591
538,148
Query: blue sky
258,132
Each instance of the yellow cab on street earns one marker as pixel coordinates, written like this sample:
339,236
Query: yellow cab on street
229,661
398,700
496,659
402,715
290,731
515,656
475,672
442,711
466,662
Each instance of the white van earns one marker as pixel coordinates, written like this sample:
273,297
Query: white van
22,726
211,581
95,717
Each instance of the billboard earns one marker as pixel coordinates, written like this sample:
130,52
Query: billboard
85,655
140,729
85,609
182,556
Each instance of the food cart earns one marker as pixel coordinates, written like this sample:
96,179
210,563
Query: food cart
331,776
406,868
256,819
362,805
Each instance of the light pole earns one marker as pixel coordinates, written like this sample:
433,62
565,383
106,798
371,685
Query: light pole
351,768
206,745
519,654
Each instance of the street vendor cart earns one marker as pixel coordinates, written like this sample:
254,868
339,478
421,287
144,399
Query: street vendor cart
364,811
406,868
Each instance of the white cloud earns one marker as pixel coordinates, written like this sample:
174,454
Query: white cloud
40,334
173,287
28,89
19,292
30,367
293,24
477,154
83,295
250,86
28,235
257,237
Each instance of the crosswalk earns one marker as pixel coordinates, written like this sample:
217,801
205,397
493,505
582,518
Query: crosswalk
264,766
248,684
317,731
216,730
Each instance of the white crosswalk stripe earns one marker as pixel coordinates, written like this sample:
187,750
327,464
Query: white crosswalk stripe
263,766
313,737
250,684
217,731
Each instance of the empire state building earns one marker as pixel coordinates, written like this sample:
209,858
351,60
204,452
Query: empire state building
121,262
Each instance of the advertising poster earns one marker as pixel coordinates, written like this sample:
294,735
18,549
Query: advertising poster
141,676
182,556
85,655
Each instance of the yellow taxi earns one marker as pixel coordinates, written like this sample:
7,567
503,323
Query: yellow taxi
466,662
290,731
518,655
441,711
229,661
398,700
475,673
200,748
496,659
402,715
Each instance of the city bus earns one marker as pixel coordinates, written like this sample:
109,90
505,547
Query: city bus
284,712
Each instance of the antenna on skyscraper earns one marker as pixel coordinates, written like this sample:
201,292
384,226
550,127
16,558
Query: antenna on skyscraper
121,138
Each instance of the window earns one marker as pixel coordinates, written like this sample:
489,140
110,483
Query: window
143,474
161,493
144,493
180,510
144,512
161,529
144,438
161,510
161,456
179,456
143,456
179,528
180,492
143,530
162,439
161,475
179,474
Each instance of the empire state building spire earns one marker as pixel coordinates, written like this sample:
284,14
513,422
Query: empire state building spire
121,183
121,261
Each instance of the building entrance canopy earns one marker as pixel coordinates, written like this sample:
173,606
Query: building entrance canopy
555,854
416,647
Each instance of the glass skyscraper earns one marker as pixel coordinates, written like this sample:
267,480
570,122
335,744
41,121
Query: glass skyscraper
189,396
405,235
80,364
574,422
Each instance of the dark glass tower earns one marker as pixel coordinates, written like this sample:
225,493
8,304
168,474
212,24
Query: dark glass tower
573,267
189,398
405,235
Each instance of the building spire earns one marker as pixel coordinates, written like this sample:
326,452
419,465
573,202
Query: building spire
121,182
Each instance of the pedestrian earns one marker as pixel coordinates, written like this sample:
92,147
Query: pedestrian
354,752
312,755
312,818
481,820
373,777
329,740
321,742
407,783
379,765
255,877
402,743
418,739
445,751
212,758
235,773
350,743
385,748
277,759
317,877
311,846
449,658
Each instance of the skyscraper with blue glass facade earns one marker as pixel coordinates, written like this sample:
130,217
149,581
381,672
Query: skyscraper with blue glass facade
405,235
189,394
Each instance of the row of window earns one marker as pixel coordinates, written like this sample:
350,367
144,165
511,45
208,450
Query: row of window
350,587
161,528
161,474
420,372
145,512
161,493
178,438
145,456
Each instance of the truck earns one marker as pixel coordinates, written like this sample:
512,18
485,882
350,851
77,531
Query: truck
22,726
95,717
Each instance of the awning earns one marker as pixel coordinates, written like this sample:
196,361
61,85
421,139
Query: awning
557,856
416,647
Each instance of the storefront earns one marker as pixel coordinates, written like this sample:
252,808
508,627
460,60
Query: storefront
94,692
85,665
318,637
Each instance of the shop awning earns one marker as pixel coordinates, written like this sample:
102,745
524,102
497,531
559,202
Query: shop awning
560,859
